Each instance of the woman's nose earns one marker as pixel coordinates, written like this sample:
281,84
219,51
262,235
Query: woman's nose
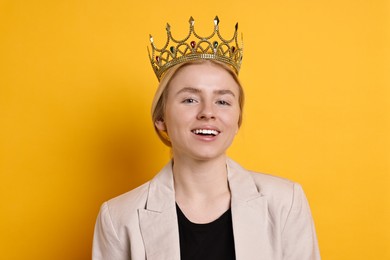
206,112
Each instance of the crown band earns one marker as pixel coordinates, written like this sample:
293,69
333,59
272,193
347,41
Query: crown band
194,47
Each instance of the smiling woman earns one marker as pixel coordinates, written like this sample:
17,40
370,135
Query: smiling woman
203,205
160,98
207,97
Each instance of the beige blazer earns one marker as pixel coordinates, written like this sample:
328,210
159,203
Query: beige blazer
271,220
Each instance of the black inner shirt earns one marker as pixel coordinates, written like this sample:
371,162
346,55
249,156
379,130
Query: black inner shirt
212,241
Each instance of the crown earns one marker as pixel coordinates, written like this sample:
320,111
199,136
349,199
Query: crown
195,47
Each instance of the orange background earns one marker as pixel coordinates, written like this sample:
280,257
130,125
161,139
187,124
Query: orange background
76,88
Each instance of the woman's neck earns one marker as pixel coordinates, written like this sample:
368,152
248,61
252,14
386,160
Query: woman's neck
196,178
201,188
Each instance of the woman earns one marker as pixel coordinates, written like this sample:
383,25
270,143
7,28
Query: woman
202,205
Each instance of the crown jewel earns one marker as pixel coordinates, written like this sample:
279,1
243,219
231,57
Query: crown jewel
195,47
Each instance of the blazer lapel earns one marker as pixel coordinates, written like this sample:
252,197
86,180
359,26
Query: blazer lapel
249,215
158,222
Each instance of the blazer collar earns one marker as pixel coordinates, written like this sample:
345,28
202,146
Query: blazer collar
158,222
159,226
162,192
241,184
249,214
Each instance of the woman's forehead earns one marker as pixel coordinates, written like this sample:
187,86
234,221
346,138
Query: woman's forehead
203,74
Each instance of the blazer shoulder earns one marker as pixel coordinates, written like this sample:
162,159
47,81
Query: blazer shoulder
281,194
263,181
268,183
127,204
274,188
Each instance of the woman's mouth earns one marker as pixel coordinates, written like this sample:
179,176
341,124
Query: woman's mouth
206,132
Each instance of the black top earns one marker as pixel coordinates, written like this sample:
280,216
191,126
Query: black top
214,240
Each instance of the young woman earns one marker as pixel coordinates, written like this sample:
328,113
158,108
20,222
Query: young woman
203,205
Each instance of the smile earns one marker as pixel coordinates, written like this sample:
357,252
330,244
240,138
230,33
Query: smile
205,132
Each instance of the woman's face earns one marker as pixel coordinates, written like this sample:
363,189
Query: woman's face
202,111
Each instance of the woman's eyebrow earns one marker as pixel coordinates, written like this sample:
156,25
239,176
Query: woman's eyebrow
224,92
189,90
196,91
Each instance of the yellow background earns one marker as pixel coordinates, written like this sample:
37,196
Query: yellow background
75,93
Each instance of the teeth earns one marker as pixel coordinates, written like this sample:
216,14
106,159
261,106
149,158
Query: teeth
205,131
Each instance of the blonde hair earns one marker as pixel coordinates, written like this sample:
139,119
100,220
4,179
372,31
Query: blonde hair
160,97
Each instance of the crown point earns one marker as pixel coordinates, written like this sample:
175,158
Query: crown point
192,21
168,27
216,20
236,26
151,38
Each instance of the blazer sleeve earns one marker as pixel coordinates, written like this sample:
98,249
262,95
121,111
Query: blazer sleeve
298,235
106,243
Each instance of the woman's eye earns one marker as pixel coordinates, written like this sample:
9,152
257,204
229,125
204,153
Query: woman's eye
189,100
223,102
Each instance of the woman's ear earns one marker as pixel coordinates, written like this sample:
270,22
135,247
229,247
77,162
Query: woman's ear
160,125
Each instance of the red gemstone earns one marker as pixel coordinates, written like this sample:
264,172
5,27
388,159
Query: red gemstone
233,48
157,58
193,44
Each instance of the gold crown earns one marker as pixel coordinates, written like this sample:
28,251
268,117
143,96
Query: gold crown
195,47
